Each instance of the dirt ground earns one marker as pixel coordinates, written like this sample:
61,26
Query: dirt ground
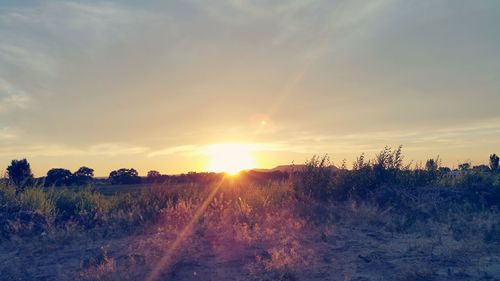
280,246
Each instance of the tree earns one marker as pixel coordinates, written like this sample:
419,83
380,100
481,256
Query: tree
20,174
124,176
494,163
464,166
83,176
481,168
58,177
153,176
431,165
444,170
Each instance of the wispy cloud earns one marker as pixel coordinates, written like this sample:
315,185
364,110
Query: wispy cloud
113,149
206,149
7,134
55,150
168,78
181,149
12,97
458,136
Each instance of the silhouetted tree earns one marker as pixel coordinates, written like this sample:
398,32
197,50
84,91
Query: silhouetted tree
431,165
494,163
83,176
153,176
444,170
481,168
20,174
464,166
58,177
124,176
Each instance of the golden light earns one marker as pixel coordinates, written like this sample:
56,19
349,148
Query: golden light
230,157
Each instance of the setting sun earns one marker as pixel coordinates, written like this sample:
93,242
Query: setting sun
230,158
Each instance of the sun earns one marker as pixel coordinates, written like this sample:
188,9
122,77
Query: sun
229,157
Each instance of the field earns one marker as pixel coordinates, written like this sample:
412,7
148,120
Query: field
114,189
309,227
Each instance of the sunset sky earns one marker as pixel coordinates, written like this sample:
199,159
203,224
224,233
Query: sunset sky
159,84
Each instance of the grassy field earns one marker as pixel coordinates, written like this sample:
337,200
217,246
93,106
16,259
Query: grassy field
111,190
317,225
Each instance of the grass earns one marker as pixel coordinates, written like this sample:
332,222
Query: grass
369,223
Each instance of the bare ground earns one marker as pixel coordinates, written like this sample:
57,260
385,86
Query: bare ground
279,246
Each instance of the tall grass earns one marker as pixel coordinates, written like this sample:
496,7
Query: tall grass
36,199
383,180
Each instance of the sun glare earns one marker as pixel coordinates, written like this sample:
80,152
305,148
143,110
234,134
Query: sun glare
230,158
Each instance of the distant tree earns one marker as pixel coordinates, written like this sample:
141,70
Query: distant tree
431,165
464,166
444,170
124,176
494,163
58,177
481,168
20,174
153,176
83,176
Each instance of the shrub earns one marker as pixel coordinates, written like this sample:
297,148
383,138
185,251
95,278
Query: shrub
146,206
315,179
86,206
7,195
494,163
58,177
124,176
83,176
20,174
35,199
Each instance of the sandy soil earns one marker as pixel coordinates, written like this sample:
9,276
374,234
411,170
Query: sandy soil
281,247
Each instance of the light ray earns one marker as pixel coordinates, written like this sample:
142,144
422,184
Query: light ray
166,259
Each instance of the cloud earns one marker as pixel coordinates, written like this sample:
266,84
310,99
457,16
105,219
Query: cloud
205,149
107,78
7,134
35,150
458,136
113,149
26,56
175,150
465,135
55,150
12,97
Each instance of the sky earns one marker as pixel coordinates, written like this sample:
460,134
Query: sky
155,84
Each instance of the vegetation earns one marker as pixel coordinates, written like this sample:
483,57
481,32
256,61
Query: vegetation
494,163
58,177
124,176
317,221
20,174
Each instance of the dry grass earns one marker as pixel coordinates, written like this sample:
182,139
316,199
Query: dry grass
249,232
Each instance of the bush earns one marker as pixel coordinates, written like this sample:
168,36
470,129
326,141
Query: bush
85,206
315,179
7,195
20,174
124,176
35,199
146,206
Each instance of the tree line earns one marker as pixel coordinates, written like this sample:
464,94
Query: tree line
19,172
20,175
